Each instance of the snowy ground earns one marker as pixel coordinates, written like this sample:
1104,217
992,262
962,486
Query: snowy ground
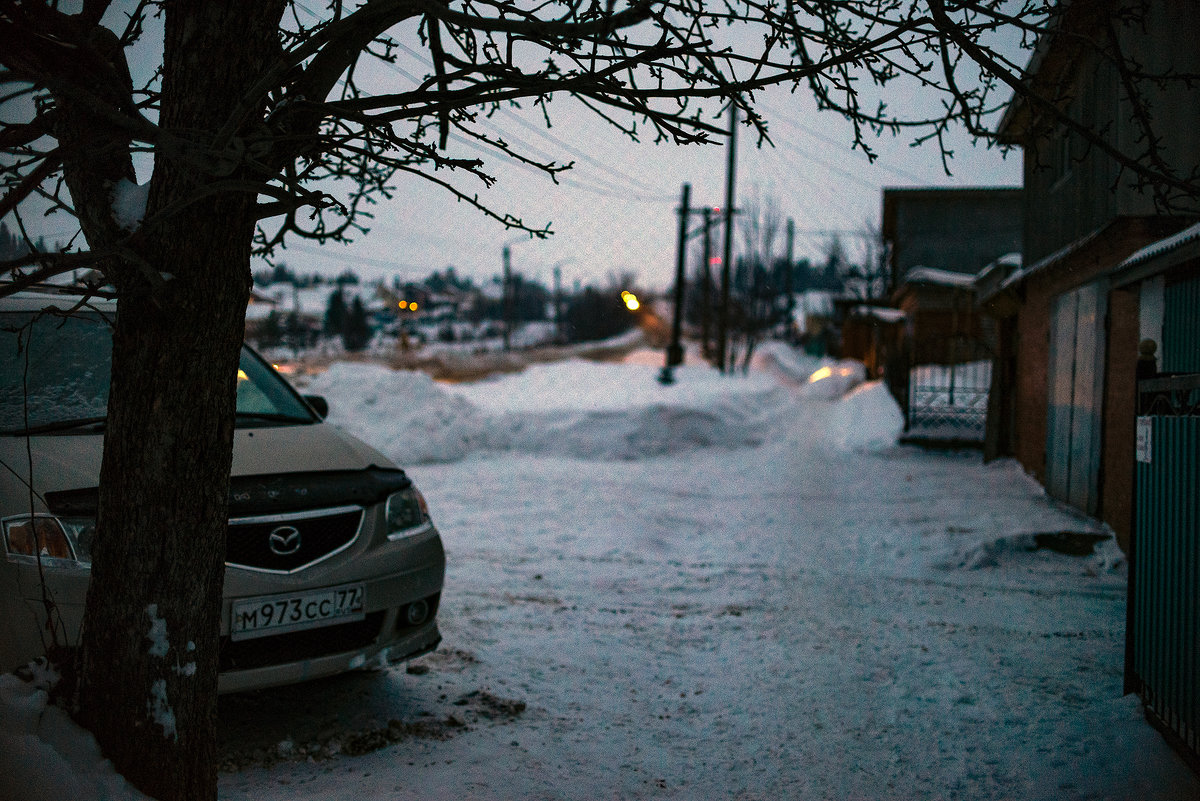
732,587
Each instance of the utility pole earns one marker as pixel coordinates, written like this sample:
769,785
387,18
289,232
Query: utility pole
790,293
558,331
706,292
675,349
727,250
507,294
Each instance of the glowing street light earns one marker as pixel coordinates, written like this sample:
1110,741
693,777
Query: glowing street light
631,301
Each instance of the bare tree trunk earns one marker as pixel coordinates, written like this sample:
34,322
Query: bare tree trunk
148,662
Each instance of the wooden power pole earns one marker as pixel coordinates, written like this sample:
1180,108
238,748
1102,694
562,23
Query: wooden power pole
727,249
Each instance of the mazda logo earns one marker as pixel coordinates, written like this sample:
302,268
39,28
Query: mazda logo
284,541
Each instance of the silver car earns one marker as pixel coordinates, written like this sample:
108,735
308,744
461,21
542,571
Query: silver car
332,560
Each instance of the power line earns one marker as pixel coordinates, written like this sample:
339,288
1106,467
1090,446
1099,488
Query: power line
831,197
612,191
364,261
541,132
776,114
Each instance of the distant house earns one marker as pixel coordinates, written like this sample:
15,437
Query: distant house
959,230
936,241
812,320
1099,328
871,334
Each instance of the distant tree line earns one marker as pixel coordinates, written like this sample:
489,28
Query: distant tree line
13,246
347,321
280,273
586,315
595,314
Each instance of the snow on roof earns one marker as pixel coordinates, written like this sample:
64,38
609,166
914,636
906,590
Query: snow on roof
1023,272
1011,261
932,275
1162,246
884,314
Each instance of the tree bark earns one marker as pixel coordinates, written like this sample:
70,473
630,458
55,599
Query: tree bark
148,661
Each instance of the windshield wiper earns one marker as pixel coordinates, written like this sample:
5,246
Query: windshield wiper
95,423
271,417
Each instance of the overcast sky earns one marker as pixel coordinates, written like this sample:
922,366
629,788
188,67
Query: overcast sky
615,212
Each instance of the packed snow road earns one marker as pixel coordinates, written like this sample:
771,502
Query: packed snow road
731,588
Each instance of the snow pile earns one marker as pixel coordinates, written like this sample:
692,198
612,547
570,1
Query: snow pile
403,413
572,408
1042,551
46,757
866,419
822,377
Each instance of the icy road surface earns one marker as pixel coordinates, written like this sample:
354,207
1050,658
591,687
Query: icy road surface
732,588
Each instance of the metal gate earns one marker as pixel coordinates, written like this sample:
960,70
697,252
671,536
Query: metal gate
949,401
949,378
1164,601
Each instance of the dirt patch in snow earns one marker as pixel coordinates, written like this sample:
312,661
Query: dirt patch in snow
343,716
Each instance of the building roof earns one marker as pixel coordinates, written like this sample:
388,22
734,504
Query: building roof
1162,247
1055,57
884,314
1021,273
935,277
1158,256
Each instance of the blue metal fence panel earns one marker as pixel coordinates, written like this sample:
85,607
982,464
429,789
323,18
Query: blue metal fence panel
1181,327
1166,636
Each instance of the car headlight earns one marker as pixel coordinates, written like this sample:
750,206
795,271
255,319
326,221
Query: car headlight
407,513
50,537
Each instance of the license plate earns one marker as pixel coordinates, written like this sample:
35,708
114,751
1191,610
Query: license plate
276,614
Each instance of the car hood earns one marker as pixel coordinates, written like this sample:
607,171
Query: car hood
67,462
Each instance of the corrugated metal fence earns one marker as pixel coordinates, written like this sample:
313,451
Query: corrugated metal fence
1164,615
1181,327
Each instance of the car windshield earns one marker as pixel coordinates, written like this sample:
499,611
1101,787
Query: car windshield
54,375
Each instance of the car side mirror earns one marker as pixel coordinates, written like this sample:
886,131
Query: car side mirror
318,404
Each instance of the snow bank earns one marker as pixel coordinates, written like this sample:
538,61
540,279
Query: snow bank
403,413
866,419
573,408
46,757
1098,552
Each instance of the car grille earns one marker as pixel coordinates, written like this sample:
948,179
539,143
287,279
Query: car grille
299,645
287,543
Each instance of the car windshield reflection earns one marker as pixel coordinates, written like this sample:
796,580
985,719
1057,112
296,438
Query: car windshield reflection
54,378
